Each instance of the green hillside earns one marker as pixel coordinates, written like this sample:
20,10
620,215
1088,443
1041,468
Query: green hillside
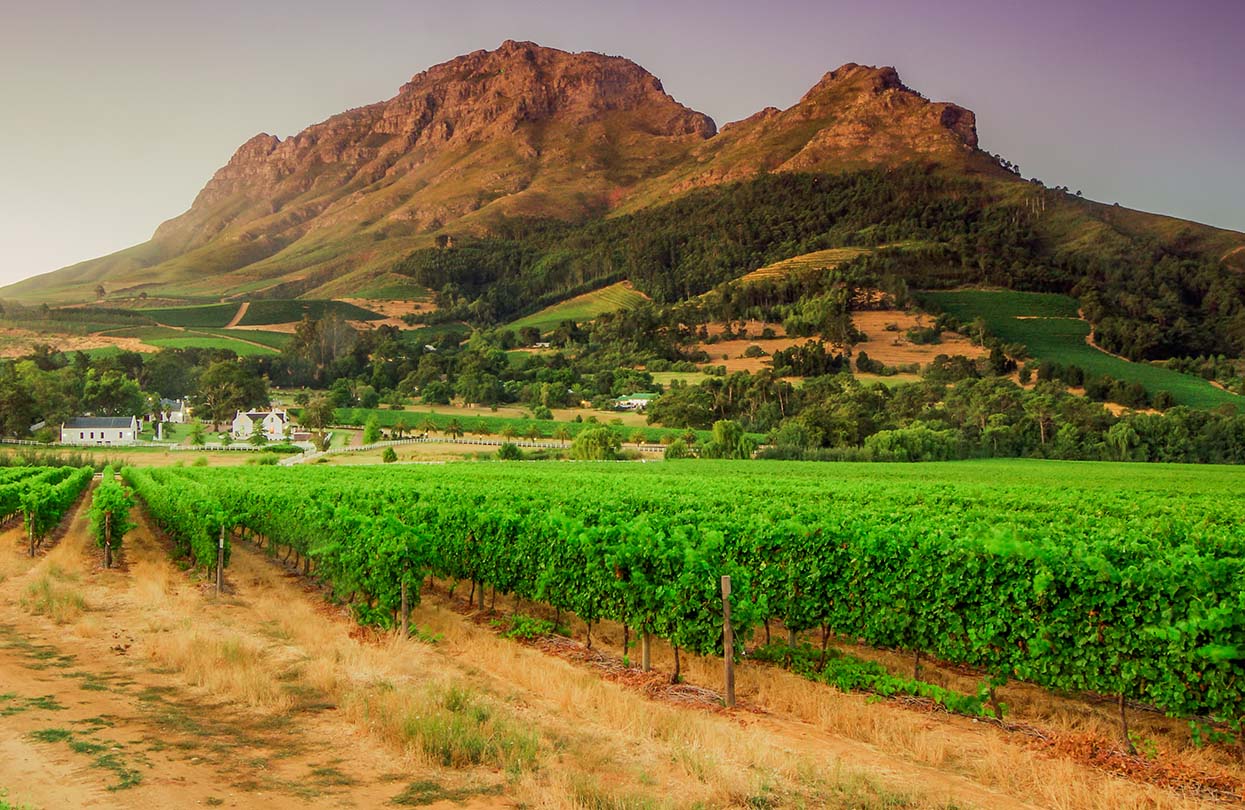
264,312
208,315
1051,329
583,307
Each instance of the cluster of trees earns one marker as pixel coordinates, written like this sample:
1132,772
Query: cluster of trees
837,417
51,387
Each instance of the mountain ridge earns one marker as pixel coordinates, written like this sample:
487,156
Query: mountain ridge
521,130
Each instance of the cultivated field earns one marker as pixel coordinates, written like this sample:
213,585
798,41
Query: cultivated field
1052,329
584,307
817,260
139,687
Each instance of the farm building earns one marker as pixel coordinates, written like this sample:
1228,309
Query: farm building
273,423
99,430
176,411
634,402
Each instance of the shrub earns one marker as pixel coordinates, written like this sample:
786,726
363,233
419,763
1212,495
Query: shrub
677,449
596,444
389,456
509,451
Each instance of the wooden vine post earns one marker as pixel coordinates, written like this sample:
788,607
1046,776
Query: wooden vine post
220,560
108,539
406,610
728,642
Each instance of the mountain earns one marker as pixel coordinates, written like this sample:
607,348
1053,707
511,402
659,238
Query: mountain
556,173
519,131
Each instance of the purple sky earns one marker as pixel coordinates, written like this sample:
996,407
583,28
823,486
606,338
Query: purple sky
117,113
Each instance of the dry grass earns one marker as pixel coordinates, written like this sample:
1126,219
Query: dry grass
55,593
818,260
1008,763
714,761
891,347
230,666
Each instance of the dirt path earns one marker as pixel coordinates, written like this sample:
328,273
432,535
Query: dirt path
239,315
93,717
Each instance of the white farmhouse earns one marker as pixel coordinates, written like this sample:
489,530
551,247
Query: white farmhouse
272,422
100,430
634,402
176,411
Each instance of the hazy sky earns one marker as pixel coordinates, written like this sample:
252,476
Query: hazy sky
116,113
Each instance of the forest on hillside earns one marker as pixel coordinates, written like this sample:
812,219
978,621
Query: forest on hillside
1146,301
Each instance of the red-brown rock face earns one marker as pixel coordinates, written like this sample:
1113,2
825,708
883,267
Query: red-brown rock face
518,131
533,99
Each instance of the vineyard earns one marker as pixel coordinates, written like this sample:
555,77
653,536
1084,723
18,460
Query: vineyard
1126,589
42,496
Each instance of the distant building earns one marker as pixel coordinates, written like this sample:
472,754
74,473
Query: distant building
176,411
273,423
100,430
634,402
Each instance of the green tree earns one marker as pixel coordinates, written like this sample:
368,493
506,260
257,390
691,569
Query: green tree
258,437
677,449
318,414
196,434
729,441
562,434
596,444
389,456
113,394
1121,438
371,430
454,428
226,387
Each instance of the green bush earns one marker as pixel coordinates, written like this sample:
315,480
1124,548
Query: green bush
110,512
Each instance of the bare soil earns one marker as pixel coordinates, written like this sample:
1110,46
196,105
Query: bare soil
16,342
892,348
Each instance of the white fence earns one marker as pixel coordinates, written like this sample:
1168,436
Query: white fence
533,443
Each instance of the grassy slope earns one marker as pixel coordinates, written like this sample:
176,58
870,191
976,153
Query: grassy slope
265,312
817,260
200,341
209,315
1052,330
275,340
584,307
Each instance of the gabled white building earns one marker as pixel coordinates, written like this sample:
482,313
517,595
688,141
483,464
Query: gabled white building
100,430
176,411
272,422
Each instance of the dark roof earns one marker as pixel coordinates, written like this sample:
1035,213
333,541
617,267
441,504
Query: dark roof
96,422
261,415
